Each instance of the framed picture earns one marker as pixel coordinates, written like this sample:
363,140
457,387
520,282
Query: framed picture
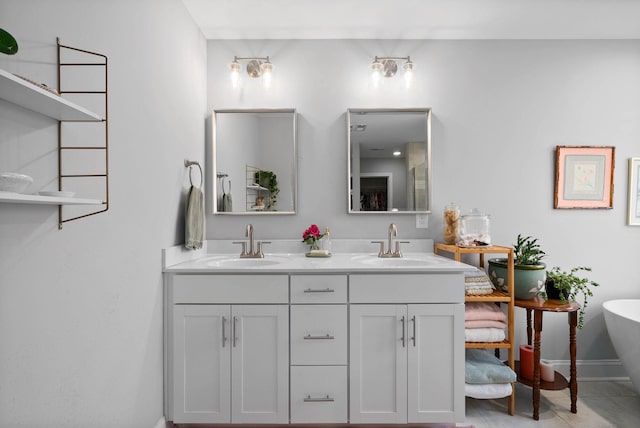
584,177
633,217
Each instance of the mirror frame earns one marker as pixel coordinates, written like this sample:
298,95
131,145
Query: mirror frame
427,113
294,160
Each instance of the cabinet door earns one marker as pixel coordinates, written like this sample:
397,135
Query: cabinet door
378,356
202,357
436,363
260,364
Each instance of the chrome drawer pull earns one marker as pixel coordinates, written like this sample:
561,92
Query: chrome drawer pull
224,336
326,399
327,336
319,290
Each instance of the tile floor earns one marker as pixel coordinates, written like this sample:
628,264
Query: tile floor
600,404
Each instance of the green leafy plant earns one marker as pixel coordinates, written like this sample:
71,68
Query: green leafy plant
269,180
570,285
527,251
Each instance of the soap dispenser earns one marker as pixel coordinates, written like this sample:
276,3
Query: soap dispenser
326,239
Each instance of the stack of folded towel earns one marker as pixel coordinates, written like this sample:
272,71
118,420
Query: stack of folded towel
477,283
484,322
486,376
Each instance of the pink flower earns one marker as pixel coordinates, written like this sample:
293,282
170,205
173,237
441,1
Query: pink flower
312,234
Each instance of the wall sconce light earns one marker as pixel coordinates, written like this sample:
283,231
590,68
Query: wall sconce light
256,67
386,66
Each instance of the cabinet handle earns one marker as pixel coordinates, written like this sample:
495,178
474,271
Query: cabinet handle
413,338
402,339
327,336
319,290
326,399
224,335
235,331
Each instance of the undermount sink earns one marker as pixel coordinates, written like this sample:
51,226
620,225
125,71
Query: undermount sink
240,263
374,260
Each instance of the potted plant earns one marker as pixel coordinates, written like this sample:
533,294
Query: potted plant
269,181
529,271
8,44
566,286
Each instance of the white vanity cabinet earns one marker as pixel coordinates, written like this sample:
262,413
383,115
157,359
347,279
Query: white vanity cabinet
231,360
308,341
407,357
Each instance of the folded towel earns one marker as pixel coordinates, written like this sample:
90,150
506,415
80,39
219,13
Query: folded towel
194,219
482,366
485,323
484,334
478,289
483,311
488,390
476,276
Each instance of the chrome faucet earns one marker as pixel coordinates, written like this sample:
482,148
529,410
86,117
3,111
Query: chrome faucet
249,234
392,232
251,253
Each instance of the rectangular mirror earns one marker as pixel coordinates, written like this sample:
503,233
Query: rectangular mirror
254,161
389,155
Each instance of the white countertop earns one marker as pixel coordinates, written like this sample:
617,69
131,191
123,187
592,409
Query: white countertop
337,263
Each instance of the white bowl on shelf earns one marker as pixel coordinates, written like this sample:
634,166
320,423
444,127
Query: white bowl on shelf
14,182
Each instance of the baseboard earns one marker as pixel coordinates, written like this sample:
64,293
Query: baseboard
593,369
161,423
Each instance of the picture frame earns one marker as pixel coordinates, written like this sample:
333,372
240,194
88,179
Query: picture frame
584,177
633,215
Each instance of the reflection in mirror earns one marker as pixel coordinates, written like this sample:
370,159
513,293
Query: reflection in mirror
254,161
389,152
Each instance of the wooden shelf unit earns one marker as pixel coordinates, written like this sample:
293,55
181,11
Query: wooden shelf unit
496,297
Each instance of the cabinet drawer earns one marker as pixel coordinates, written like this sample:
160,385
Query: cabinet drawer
406,288
318,334
230,289
318,289
319,394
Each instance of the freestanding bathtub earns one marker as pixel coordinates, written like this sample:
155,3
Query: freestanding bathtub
622,318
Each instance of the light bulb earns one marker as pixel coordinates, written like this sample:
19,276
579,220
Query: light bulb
408,73
235,73
266,69
376,72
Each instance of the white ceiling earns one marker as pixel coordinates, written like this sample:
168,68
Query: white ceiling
417,19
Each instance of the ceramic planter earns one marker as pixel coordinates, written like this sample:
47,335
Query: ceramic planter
553,292
529,279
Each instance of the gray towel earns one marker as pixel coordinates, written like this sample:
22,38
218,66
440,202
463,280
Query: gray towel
194,219
227,203
481,366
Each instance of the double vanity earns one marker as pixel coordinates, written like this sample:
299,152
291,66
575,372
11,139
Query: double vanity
352,338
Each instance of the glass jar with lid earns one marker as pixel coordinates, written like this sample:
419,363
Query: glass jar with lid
474,229
451,223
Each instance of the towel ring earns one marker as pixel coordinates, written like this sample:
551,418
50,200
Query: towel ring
190,164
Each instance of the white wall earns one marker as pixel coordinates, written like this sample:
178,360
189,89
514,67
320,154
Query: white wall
81,308
499,110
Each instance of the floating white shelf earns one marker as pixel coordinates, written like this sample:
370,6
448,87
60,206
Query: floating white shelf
25,94
256,187
21,198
